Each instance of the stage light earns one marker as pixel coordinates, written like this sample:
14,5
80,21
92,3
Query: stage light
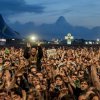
90,42
2,40
33,38
86,42
98,40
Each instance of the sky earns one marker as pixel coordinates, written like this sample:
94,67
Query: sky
77,12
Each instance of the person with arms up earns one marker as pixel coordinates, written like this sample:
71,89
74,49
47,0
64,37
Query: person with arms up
34,55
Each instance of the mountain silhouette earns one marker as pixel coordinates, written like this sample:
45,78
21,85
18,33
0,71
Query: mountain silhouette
61,20
58,29
6,31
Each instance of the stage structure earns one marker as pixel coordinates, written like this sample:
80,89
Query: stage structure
69,38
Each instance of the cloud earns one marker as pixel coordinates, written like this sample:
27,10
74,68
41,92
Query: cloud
10,7
66,10
59,12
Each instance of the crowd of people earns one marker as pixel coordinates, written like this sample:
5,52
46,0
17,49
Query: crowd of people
32,74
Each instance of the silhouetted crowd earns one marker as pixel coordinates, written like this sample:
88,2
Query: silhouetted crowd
39,73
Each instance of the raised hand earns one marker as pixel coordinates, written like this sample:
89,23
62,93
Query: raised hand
28,44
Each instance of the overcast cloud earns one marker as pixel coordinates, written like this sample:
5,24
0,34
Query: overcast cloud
10,7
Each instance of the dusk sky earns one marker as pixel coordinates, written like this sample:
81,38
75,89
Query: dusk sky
77,12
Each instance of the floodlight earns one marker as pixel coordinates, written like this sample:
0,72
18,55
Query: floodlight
90,42
86,42
33,38
98,40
